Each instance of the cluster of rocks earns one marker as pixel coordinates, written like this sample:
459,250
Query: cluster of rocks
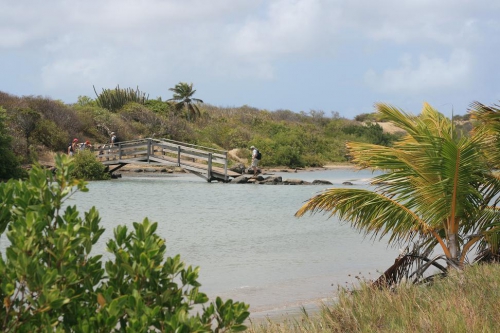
247,177
274,180
277,180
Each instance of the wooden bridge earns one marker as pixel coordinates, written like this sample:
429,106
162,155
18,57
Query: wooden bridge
208,163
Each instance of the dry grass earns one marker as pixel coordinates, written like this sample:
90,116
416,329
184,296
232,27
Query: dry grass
464,302
390,128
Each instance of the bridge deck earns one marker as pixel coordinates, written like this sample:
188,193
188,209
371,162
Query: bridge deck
208,163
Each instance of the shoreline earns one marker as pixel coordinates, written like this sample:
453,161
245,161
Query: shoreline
161,169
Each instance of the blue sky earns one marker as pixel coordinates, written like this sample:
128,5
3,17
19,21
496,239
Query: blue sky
300,55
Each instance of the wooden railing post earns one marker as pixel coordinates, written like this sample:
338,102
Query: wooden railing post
178,156
225,168
119,151
149,148
209,171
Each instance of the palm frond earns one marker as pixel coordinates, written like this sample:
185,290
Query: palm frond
368,211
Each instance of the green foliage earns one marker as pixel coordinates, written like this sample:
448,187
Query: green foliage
143,121
88,167
114,99
26,120
372,133
51,281
50,135
10,166
158,106
85,101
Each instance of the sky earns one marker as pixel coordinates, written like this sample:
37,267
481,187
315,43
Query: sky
300,55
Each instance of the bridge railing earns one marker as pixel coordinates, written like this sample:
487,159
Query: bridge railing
185,155
185,152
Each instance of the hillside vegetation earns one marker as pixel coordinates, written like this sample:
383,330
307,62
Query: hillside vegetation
39,125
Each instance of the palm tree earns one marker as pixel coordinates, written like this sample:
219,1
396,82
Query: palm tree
183,93
437,189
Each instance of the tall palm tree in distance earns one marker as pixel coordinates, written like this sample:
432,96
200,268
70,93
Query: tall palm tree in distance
183,98
437,189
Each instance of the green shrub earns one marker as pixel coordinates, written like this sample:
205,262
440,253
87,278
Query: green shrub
50,281
10,166
88,167
50,135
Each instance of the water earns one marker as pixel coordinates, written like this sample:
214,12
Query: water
245,238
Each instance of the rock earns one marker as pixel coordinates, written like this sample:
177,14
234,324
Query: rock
137,170
250,171
272,179
240,168
347,183
239,180
321,182
293,182
150,170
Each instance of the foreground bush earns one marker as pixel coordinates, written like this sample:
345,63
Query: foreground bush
462,302
88,167
50,281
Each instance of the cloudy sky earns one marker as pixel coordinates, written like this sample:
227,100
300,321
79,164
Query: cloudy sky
300,55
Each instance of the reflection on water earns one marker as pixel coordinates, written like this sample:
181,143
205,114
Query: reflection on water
245,238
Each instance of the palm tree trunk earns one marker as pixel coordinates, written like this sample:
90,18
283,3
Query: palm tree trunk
454,247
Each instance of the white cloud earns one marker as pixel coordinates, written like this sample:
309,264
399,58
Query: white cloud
427,75
68,44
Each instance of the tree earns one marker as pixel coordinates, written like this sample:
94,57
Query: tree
10,166
51,281
26,119
437,189
183,93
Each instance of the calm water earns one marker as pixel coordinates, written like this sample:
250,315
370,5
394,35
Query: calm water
245,238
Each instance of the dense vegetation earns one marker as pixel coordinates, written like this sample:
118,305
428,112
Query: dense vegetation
39,124
51,281
11,164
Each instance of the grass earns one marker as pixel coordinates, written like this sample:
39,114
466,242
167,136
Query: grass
466,301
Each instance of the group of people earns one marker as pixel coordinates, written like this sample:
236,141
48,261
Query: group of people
76,146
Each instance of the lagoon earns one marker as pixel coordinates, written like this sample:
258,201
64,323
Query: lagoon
244,237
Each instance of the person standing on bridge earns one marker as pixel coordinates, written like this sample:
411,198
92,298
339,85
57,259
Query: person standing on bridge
113,140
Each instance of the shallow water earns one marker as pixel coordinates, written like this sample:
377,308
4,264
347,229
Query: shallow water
245,238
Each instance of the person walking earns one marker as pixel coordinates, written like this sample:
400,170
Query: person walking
255,160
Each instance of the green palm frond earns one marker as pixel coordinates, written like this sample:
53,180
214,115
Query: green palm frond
368,211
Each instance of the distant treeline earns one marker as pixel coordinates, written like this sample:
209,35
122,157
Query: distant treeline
37,124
